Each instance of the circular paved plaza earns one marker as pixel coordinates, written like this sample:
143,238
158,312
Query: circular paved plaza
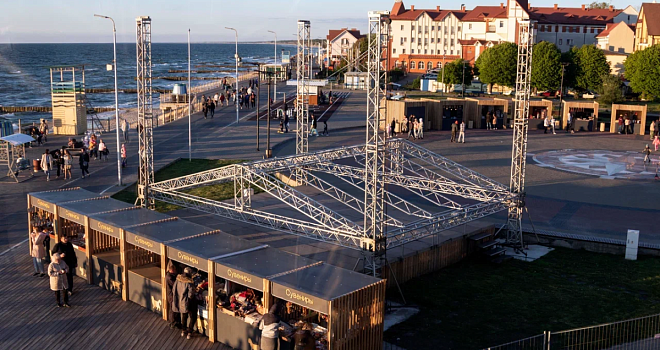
603,163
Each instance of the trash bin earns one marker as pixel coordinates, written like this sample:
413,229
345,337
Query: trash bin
602,126
470,124
36,164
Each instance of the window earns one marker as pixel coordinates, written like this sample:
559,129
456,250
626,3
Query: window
431,52
402,27
559,42
569,42
557,29
412,40
432,28
426,51
470,26
403,51
393,50
426,29
542,29
459,28
501,24
451,52
412,64
396,63
426,41
405,39
412,51
592,30
451,42
413,28
584,29
432,40
439,65
421,65
401,41
563,29
570,29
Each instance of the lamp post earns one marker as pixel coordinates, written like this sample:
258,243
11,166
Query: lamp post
275,67
189,97
114,66
269,152
258,87
443,72
561,92
236,78
463,80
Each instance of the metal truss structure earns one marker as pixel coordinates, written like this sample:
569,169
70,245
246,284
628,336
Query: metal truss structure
303,76
514,234
145,112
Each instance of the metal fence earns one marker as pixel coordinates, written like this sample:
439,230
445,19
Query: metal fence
636,334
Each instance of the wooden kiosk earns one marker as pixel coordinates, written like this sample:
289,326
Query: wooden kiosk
497,106
538,109
251,270
109,258
637,113
146,259
437,114
74,223
585,115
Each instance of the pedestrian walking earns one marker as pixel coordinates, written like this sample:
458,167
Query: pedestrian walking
57,161
411,127
620,121
652,130
83,162
43,129
454,131
489,119
182,294
212,108
286,120
174,317
569,123
393,127
421,128
103,151
253,99
46,164
67,161
626,123
494,121
325,128
656,142
216,98
388,130
552,124
123,156
269,327
93,147
65,249
247,100
57,272
461,132
314,125
647,154
240,100
38,251
125,127
205,108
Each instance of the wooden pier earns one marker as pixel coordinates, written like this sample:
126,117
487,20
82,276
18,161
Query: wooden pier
43,109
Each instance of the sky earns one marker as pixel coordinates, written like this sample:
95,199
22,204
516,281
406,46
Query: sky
72,21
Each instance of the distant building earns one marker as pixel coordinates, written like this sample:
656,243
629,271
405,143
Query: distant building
422,39
648,26
617,42
339,43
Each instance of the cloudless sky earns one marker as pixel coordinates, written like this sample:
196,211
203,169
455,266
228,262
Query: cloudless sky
46,21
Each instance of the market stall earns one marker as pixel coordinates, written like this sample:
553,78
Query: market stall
146,259
636,114
346,308
585,115
106,232
491,106
437,114
43,211
538,110
198,253
247,274
74,223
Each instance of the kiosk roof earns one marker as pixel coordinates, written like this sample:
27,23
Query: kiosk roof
213,246
325,281
127,218
64,195
265,262
95,206
168,230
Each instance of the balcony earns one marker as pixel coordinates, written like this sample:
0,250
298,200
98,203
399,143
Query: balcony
491,29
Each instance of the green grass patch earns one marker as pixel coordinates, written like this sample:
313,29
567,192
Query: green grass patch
184,167
476,304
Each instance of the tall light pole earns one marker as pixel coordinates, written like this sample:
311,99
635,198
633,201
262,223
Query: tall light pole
561,92
114,66
443,72
236,78
463,79
275,67
189,97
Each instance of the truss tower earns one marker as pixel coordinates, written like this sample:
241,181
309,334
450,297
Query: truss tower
145,113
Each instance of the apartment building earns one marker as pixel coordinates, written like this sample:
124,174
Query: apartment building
617,42
648,26
434,36
339,42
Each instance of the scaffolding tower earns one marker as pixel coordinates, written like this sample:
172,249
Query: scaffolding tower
514,234
145,113
302,83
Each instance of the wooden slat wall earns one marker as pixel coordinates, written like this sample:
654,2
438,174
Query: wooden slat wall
618,108
584,105
357,319
136,257
71,229
102,242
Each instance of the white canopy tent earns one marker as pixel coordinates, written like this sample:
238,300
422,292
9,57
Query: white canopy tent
13,149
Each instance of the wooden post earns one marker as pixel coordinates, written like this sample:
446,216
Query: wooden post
268,299
210,303
29,206
124,267
163,280
89,247
56,224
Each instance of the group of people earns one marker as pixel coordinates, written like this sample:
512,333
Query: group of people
412,125
246,97
62,266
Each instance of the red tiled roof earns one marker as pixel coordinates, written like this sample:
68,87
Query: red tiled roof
335,33
572,15
480,13
399,12
610,27
470,42
652,16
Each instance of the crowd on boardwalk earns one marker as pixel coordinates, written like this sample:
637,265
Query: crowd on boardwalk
246,96
61,161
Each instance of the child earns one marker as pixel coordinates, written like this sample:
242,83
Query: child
123,155
656,143
647,154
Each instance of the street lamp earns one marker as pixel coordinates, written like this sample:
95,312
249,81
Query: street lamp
443,72
236,78
189,96
463,81
275,67
114,66
561,92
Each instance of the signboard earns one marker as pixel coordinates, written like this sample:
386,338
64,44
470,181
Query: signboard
299,298
632,244
40,203
104,228
188,259
71,216
286,57
240,277
142,242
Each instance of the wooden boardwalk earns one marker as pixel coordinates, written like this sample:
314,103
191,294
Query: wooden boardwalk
97,319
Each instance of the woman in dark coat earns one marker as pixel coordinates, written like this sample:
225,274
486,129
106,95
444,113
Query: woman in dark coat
66,251
83,161
175,320
182,293
303,338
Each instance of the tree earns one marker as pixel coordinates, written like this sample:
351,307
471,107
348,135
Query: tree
570,73
611,90
591,67
453,72
497,65
546,66
642,69
599,5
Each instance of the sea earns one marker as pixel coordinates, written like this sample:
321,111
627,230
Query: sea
25,74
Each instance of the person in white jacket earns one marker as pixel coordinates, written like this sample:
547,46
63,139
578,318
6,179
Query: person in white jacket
46,164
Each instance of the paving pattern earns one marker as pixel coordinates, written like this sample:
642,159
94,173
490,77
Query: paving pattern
603,163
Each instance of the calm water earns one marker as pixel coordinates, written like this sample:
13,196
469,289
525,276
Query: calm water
25,77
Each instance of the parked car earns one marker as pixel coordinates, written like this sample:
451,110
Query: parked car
548,93
590,94
511,92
